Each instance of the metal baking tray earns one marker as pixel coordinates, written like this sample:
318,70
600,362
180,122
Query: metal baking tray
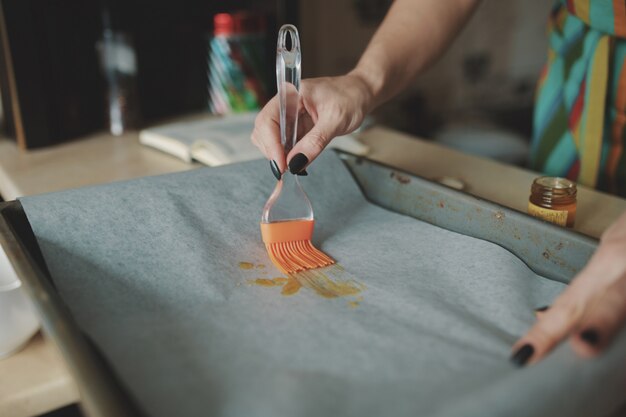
551,251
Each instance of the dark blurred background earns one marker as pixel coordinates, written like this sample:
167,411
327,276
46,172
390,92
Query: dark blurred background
53,88
52,77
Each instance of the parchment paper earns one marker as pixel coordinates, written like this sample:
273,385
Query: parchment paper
150,269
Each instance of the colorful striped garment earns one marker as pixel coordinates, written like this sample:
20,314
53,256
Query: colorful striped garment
580,111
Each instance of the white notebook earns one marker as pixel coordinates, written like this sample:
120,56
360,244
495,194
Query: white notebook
217,141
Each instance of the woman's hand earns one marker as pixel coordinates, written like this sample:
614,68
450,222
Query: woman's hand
591,311
412,36
329,107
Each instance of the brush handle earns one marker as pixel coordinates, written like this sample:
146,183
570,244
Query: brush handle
288,201
288,61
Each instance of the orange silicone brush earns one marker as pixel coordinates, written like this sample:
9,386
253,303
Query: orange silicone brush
287,222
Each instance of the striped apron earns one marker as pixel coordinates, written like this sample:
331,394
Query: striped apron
580,109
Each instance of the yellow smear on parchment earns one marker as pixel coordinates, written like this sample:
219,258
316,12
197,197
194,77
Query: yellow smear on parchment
291,287
325,282
327,287
263,282
267,282
355,303
246,265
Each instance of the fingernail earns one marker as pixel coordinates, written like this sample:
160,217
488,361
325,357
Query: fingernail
524,353
303,173
539,311
590,336
275,169
298,162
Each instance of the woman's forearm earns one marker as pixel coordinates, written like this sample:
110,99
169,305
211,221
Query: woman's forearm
412,36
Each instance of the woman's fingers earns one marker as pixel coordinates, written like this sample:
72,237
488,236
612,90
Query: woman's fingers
591,310
541,311
551,327
603,320
607,316
333,106
310,146
266,134
329,106
560,320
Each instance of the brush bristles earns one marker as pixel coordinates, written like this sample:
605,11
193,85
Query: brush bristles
296,256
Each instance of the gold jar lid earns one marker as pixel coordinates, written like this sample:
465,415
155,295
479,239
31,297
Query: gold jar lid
554,186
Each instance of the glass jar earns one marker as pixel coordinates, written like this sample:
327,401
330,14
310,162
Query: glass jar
553,199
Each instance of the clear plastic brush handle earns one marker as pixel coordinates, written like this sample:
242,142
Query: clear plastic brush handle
288,201
288,63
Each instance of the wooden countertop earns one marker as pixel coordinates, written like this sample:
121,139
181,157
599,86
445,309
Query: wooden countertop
93,160
35,380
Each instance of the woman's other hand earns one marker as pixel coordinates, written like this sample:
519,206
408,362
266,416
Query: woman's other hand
591,311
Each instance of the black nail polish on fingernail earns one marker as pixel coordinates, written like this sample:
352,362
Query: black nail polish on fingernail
590,336
298,162
522,355
275,169
541,309
303,173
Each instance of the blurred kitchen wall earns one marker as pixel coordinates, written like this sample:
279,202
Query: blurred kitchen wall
489,73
